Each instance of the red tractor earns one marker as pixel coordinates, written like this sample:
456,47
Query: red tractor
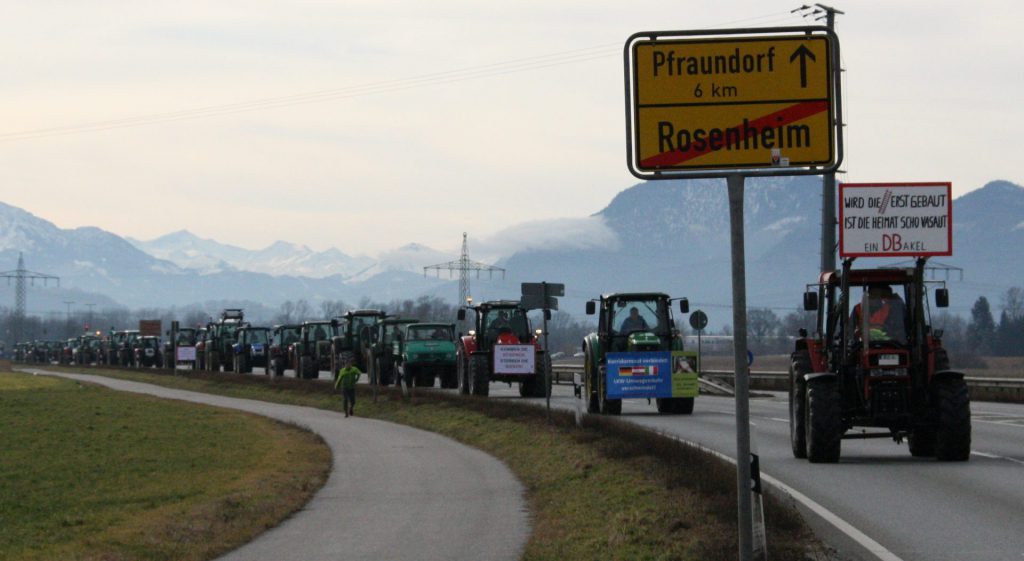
502,348
874,361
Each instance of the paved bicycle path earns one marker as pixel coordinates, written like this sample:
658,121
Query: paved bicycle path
394,492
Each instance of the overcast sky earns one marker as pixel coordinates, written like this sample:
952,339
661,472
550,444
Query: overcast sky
368,124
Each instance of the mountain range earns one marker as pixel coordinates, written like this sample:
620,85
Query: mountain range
669,236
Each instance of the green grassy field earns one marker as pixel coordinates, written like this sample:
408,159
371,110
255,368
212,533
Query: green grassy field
607,490
91,474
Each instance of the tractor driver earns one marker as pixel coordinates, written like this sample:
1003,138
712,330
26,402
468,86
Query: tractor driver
501,322
886,312
634,322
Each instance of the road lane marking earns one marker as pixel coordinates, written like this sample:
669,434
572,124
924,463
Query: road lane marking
862,539
996,457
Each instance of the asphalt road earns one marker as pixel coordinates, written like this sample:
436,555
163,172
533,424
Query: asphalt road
394,492
916,509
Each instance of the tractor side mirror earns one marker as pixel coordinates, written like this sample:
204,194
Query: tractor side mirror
684,305
942,298
591,308
461,314
334,323
547,314
810,301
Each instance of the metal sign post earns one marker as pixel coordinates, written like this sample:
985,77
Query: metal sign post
174,346
543,295
739,336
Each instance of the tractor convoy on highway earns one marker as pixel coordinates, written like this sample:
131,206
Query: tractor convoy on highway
873,367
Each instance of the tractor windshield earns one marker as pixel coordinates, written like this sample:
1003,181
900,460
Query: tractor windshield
357,323
629,316
257,336
392,333
880,313
430,333
286,336
511,320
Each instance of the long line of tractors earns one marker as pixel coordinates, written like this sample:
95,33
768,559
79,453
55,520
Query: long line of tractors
871,361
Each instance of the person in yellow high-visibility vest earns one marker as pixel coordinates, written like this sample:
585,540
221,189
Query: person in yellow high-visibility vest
345,380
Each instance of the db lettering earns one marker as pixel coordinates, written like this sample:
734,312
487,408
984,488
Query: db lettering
892,242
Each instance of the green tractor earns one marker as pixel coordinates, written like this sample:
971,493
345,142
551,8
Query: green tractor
637,352
351,342
313,351
384,344
220,336
428,351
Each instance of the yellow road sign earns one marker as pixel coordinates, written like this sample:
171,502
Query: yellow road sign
727,103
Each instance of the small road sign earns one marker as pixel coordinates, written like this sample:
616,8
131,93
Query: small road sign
698,320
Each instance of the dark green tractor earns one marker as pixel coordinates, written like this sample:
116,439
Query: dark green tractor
351,343
220,336
384,349
313,351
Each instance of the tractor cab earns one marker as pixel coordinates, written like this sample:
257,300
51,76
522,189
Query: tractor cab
637,321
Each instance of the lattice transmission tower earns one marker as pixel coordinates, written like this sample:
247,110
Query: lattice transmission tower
464,265
20,275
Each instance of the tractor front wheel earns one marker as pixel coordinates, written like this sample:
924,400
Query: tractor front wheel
953,434
824,422
479,375
462,370
800,366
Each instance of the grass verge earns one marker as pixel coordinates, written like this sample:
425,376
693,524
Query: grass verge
607,490
88,474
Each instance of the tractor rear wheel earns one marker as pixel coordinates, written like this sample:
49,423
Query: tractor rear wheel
953,434
590,386
608,406
800,366
479,375
683,405
306,367
824,422
462,370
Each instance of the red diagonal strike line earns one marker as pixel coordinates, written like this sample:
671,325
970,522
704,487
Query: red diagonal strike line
783,117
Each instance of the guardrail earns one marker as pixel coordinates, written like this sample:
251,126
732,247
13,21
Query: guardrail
982,389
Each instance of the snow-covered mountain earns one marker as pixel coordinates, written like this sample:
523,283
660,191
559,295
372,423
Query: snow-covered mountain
669,236
94,261
189,251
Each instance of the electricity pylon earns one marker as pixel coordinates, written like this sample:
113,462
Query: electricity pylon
20,275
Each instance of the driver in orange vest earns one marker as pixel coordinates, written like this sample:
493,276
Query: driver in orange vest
880,298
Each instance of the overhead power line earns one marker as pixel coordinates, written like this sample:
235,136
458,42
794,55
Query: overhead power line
359,90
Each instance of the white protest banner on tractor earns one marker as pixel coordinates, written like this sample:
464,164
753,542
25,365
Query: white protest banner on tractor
895,219
186,354
514,359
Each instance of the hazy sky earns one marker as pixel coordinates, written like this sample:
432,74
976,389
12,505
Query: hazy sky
369,124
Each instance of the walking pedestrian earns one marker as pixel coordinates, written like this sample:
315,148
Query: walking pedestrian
346,380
